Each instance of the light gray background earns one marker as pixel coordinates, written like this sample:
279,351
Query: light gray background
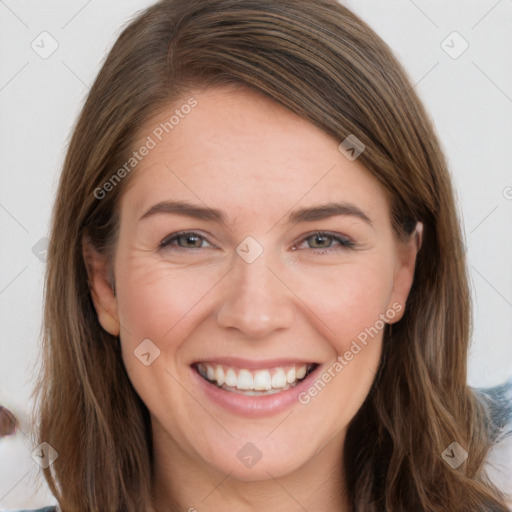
469,98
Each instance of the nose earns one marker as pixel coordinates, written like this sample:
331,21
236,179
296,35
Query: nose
257,301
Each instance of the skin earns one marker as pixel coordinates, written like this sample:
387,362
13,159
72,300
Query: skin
255,160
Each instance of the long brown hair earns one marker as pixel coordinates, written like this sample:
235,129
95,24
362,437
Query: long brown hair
322,62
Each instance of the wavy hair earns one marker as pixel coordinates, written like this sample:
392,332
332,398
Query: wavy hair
322,62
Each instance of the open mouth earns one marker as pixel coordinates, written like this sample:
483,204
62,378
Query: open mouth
259,382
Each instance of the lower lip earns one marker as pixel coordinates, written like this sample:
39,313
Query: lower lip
254,406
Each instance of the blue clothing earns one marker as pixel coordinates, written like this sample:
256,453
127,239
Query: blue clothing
45,509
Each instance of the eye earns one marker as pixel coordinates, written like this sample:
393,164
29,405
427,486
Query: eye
186,241
321,241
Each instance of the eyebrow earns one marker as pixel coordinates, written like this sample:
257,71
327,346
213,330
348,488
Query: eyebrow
309,214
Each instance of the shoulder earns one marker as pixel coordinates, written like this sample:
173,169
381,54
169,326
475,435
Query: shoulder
498,402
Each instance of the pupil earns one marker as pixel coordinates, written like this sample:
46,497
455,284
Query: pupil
190,240
319,238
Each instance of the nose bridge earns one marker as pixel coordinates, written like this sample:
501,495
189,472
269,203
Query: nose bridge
256,301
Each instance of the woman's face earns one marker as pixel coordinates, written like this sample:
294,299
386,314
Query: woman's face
288,265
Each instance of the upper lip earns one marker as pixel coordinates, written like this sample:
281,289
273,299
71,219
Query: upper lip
254,364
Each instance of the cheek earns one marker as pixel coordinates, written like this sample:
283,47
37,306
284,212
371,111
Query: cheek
348,303
349,300
156,301
161,304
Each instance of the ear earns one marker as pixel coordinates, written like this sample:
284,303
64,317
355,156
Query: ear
101,286
404,271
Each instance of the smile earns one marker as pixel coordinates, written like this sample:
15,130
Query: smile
258,382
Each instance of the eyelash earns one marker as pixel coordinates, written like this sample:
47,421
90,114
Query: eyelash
345,243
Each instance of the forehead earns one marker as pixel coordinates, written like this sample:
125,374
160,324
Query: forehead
238,149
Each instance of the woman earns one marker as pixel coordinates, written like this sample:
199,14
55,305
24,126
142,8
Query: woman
256,293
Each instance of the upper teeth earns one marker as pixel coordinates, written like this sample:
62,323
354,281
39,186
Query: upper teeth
257,380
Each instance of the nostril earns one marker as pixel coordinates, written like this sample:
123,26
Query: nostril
8,422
